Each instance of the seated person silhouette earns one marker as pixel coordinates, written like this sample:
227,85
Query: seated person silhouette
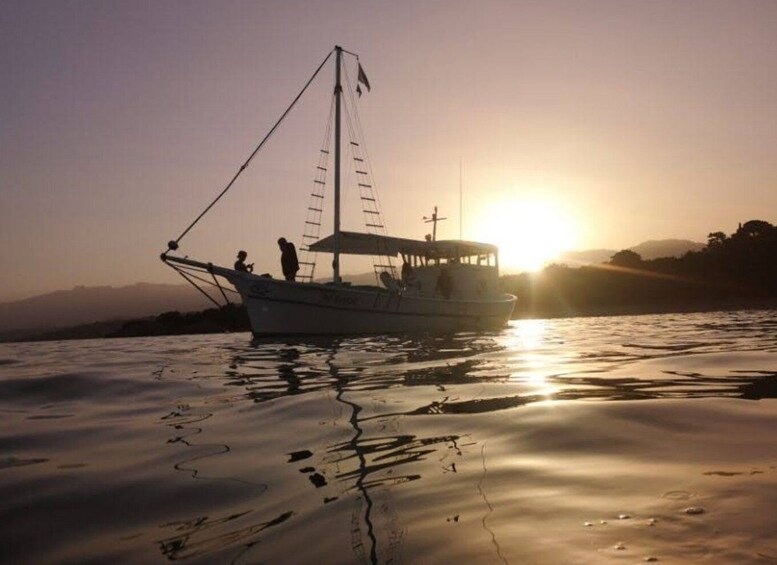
389,282
240,264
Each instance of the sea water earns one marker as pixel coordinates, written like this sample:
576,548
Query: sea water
588,440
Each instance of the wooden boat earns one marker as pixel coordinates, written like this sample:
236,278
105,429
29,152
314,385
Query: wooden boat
444,286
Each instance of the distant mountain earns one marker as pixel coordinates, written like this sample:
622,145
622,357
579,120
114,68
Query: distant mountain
657,248
648,250
85,305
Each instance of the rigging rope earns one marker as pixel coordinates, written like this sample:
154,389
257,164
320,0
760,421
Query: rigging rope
362,138
312,227
173,245
373,216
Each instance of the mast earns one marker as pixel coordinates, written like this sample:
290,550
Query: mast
338,95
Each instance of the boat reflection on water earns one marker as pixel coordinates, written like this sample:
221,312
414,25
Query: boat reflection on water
380,460
367,465
364,466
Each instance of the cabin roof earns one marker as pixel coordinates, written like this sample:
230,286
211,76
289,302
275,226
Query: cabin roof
353,243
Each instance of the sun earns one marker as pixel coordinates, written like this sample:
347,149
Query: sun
530,233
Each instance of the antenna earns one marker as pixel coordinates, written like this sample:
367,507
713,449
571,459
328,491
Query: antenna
461,200
434,219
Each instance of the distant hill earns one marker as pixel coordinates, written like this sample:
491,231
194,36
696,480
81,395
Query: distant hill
657,248
648,250
86,305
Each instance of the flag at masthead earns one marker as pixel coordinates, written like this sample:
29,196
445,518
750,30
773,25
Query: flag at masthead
362,78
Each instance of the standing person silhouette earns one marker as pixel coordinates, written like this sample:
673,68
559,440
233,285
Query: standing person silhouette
289,262
444,283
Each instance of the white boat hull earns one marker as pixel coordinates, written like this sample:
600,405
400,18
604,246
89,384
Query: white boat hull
280,307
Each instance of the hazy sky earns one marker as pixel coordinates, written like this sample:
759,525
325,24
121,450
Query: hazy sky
120,121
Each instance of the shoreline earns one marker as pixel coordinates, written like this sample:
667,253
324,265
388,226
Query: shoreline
212,321
651,309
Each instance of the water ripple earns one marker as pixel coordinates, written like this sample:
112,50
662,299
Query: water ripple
372,449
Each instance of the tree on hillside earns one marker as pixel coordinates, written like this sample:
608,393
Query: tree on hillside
716,239
626,258
755,228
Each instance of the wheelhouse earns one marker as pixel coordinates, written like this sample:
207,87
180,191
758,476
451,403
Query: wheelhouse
453,268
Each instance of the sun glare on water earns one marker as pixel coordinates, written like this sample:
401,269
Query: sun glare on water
529,233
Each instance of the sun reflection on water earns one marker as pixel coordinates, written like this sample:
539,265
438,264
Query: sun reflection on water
528,353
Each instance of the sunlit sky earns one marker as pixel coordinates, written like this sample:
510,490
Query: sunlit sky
579,125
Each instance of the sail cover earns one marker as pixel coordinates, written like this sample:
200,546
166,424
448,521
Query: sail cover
354,243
